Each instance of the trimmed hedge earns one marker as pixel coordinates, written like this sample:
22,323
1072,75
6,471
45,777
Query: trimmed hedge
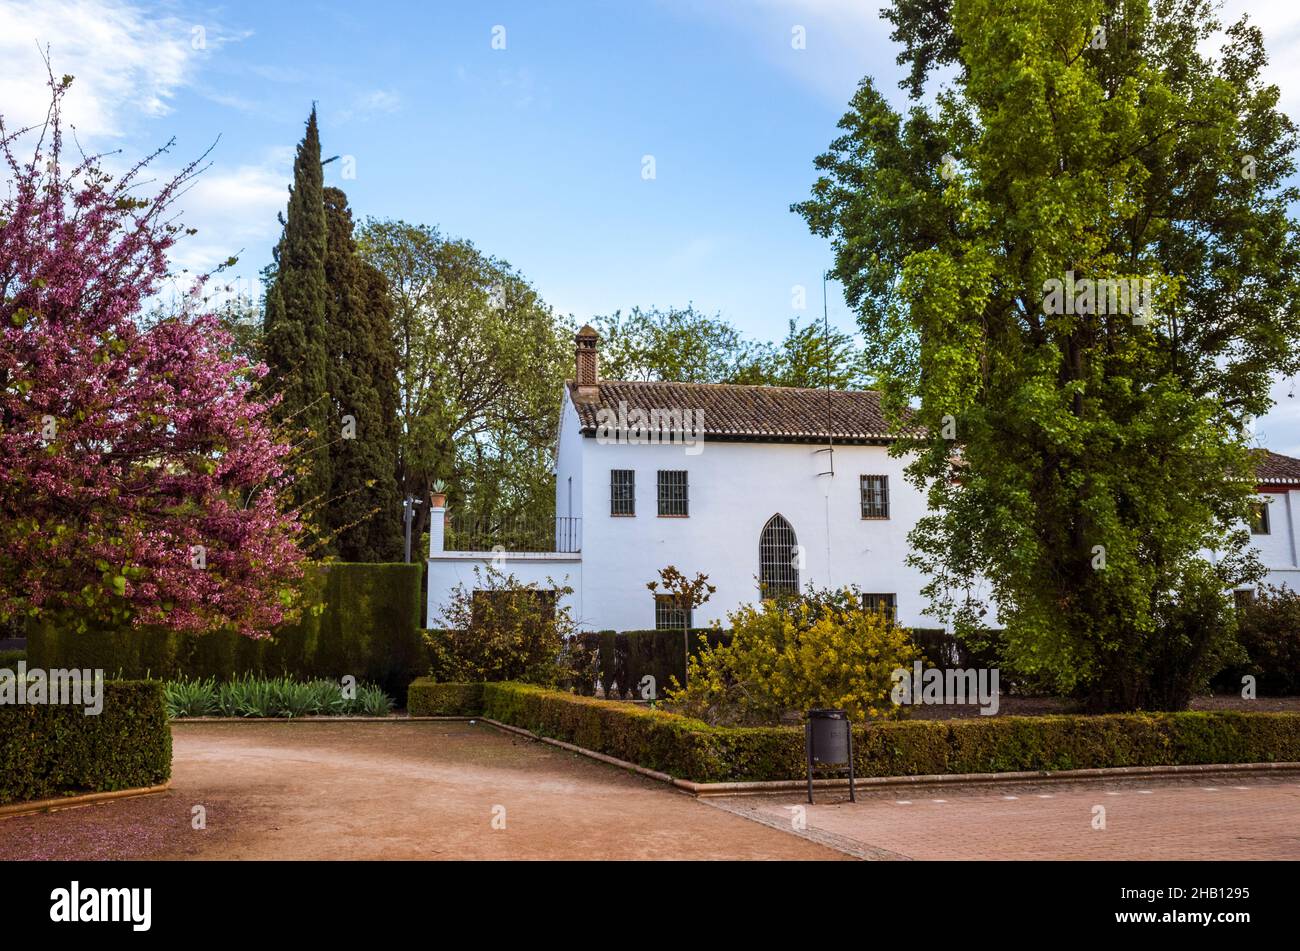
51,750
358,619
425,698
693,750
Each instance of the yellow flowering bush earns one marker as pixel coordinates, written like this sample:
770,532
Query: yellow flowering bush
824,650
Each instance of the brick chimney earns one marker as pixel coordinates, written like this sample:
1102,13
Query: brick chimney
587,367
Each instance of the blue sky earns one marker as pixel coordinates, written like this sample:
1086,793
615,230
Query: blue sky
535,151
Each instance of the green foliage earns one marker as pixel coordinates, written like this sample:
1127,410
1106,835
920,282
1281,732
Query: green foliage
429,698
358,619
481,360
824,650
251,696
683,345
294,339
690,749
11,659
50,750
1076,461
363,511
1268,629
502,629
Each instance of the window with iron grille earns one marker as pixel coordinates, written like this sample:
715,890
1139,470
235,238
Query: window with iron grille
778,559
1259,518
673,499
622,492
885,603
672,613
875,496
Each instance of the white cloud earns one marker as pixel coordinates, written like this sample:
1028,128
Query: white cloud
234,211
127,63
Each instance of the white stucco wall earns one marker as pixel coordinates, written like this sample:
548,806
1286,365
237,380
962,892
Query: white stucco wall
450,569
734,488
1277,549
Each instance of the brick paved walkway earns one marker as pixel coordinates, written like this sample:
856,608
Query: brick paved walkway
1207,817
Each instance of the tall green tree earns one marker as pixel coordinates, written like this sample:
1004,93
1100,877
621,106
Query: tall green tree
294,345
1079,455
678,344
481,362
363,514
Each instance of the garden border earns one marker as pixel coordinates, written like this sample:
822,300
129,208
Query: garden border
35,806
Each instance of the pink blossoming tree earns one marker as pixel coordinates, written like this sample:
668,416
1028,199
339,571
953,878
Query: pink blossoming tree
141,479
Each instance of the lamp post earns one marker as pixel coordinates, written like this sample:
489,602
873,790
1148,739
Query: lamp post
408,516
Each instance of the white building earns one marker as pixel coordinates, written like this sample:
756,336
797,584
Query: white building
755,483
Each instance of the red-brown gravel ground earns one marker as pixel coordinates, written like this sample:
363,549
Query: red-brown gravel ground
412,790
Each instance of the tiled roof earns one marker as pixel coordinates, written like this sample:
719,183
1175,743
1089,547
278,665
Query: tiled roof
762,413
1274,468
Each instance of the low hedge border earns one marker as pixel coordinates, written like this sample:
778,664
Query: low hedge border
425,698
689,749
53,750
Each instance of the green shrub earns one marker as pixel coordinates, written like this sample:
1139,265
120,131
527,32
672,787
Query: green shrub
823,650
502,629
691,749
190,698
51,750
9,660
1268,629
357,619
429,698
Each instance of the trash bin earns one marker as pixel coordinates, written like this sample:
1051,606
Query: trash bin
828,735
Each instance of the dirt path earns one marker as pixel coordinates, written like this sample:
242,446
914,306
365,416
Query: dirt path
421,790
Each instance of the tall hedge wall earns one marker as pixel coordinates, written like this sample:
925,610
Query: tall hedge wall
358,619
50,750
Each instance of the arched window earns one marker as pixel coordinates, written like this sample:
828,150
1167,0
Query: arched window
778,559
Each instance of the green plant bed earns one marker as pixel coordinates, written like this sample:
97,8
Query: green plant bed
286,697
691,749
52,750
426,698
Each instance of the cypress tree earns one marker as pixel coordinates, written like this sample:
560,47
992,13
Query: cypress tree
365,508
295,328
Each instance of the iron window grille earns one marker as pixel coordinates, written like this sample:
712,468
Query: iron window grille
875,496
778,559
673,494
887,604
1259,518
672,613
622,492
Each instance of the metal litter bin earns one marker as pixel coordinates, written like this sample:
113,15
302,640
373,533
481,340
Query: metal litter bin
828,736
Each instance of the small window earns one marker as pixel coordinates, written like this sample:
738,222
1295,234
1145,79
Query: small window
1243,598
622,492
1259,518
887,604
673,499
875,496
671,613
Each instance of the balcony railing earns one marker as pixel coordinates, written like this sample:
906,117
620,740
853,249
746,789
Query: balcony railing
518,534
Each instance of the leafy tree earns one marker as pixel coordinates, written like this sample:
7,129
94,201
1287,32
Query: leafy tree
141,479
1077,458
294,337
677,344
814,356
363,512
481,362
